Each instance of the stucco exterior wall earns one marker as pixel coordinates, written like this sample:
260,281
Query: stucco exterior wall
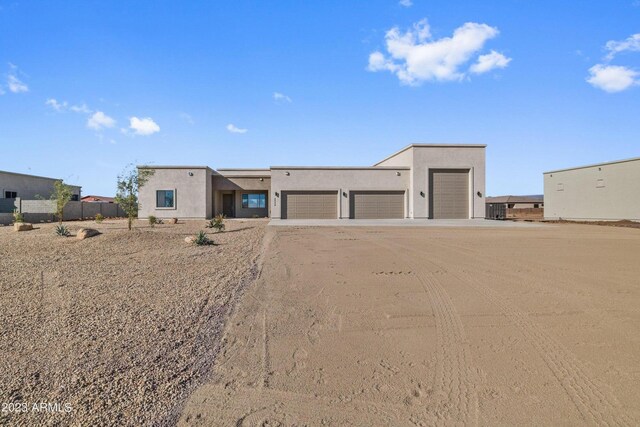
422,158
30,187
341,180
600,192
193,193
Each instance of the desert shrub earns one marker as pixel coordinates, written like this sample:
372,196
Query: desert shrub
62,231
217,223
99,218
202,239
152,220
17,216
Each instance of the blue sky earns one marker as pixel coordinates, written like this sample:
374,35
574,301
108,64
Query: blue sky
87,87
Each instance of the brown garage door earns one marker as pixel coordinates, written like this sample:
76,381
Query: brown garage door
309,204
376,204
449,193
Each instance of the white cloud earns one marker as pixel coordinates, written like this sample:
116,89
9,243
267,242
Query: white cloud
145,126
80,109
13,82
234,129
415,57
281,97
631,44
99,121
406,3
612,78
58,106
64,106
187,118
488,62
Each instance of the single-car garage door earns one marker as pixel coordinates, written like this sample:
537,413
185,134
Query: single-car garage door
449,193
309,204
376,204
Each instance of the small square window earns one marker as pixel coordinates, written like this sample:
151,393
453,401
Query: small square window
600,183
165,199
254,201
560,187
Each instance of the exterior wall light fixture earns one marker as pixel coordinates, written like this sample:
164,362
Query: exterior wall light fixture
479,194
277,194
422,193
190,173
287,173
344,194
398,173
261,179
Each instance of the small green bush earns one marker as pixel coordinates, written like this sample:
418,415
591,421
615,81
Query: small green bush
202,239
152,221
17,216
217,223
99,218
62,231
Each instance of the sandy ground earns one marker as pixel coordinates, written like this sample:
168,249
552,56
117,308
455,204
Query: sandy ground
401,326
121,326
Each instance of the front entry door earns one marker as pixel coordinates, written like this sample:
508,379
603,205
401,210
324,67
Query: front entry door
227,205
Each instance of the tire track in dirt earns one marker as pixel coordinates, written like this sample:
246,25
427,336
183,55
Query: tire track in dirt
590,398
455,379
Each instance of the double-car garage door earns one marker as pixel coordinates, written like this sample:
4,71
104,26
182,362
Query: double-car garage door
309,204
324,204
376,204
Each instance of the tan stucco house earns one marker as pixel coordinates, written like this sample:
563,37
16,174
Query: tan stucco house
420,181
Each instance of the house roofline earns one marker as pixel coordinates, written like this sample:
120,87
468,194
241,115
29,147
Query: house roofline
633,159
341,167
431,146
171,167
39,176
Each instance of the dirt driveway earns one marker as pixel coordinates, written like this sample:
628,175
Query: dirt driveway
400,326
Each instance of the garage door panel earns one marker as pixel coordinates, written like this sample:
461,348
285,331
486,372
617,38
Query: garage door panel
449,194
309,204
376,204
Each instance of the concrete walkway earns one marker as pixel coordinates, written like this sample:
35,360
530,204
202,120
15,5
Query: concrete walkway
403,223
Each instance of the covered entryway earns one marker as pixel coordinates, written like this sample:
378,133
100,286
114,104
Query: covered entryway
309,204
376,205
449,193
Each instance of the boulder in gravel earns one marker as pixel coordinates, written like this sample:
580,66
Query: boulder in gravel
85,233
190,239
22,226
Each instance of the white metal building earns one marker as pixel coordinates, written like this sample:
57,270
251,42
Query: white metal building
605,191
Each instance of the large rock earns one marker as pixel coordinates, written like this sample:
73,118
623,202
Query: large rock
84,233
22,226
190,239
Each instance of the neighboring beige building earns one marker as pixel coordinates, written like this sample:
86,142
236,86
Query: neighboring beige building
29,187
605,191
419,181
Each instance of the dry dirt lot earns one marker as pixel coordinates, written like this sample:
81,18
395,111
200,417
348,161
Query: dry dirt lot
121,326
401,326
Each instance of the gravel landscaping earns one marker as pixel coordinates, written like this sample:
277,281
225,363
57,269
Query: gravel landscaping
116,329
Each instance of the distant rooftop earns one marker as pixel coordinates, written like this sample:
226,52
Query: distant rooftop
536,198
